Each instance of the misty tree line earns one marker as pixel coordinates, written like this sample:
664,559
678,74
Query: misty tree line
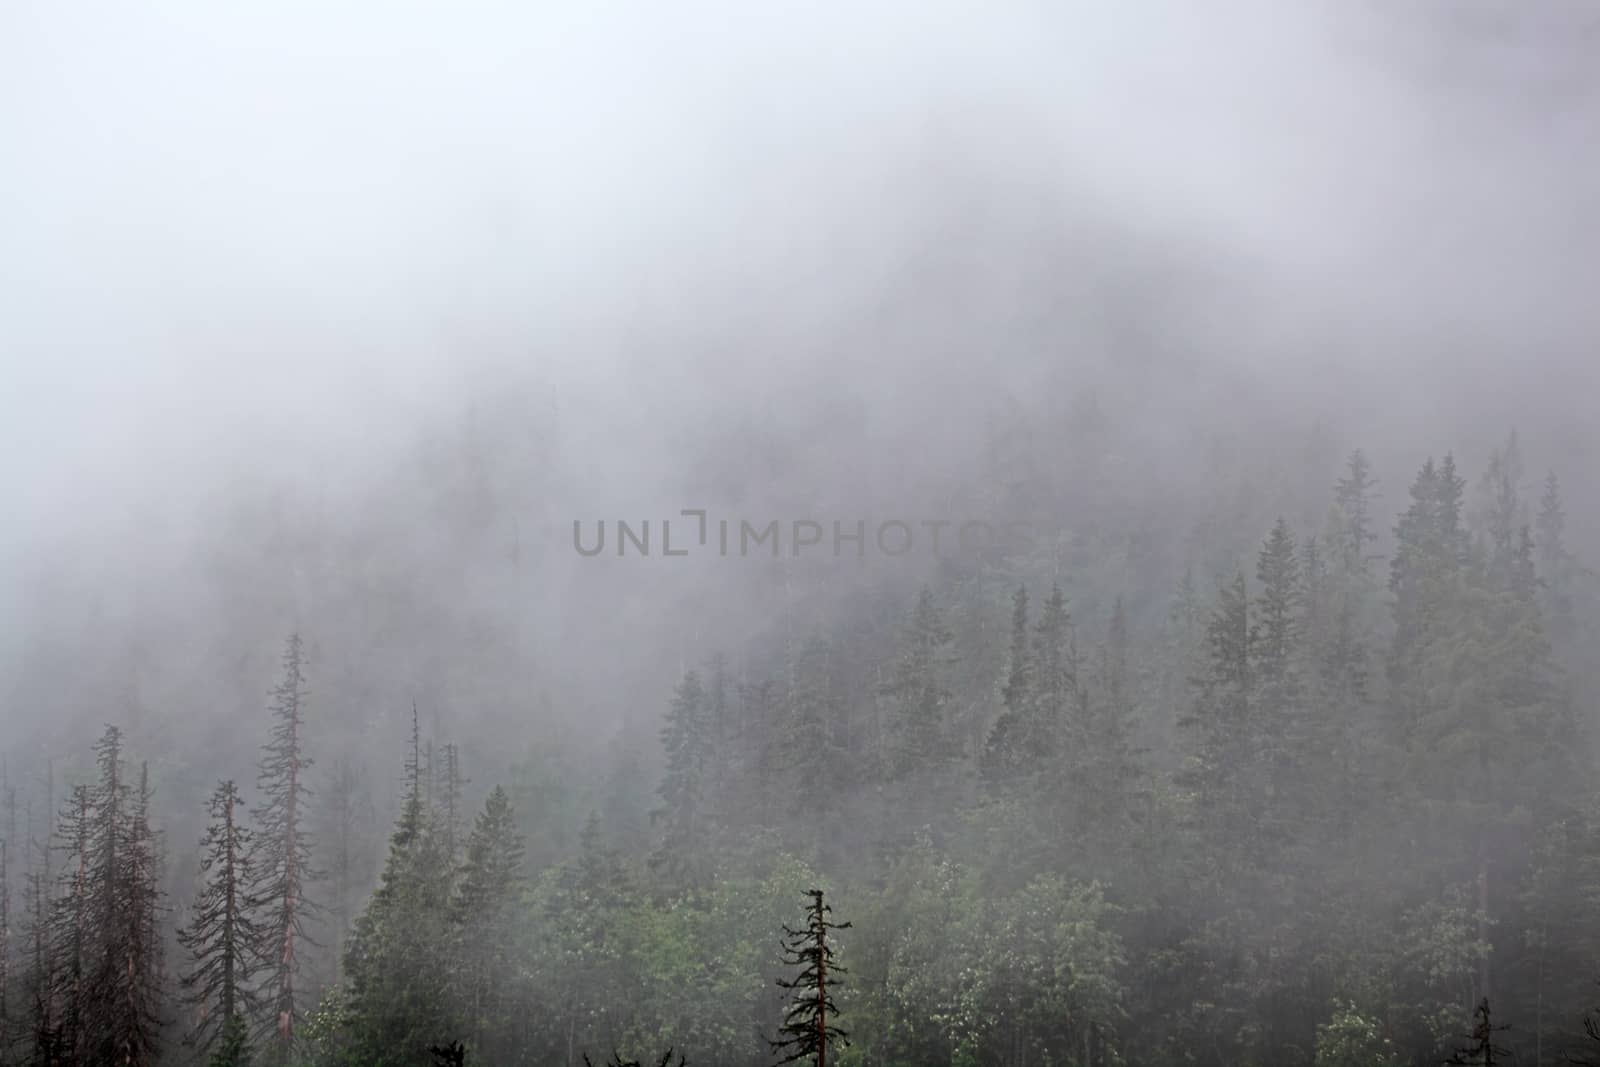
1333,806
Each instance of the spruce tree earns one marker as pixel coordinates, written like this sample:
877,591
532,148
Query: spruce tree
281,863
685,737
486,926
1009,750
1108,762
1277,621
222,937
71,925
1055,715
397,960
448,785
1222,770
808,1030
920,698
1353,494
1554,563
813,753
118,1022
1503,513
144,964
44,1036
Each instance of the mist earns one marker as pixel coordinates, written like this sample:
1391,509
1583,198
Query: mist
336,320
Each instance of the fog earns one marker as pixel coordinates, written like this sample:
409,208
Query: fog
335,317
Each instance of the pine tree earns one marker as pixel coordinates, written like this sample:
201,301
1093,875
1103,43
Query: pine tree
1424,576
808,1030
1554,562
812,750
485,919
1277,616
1009,751
1222,770
44,1036
1503,513
1019,664
281,864
685,738
1277,716
144,968
448,784
71,922
1109,762
1352,497
1055,718
920,698
118,1023
222,937
397,960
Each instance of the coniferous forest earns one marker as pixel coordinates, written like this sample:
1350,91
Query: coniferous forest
900,533
1324,806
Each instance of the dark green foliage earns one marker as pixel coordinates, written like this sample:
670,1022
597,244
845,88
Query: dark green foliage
232,1045
451,1055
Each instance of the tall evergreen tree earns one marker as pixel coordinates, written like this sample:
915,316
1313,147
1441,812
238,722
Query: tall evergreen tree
1009,749
685,737
45,1038
447,789
1222,770
486,928
222,938
1056,714
1278,607
919,729
1554,562
1503,512
71,928
809,1030
1353,497
281,864
813,740
119,1023
397,958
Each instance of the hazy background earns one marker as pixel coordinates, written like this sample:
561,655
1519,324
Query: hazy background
334,316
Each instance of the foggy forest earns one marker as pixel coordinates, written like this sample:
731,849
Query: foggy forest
873,535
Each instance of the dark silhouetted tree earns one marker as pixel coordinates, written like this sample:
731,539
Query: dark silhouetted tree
222,937
808,1030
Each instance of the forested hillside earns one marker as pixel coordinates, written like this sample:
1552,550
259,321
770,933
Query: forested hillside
1317,802
893,533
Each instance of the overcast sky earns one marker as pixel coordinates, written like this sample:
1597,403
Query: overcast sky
274,236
